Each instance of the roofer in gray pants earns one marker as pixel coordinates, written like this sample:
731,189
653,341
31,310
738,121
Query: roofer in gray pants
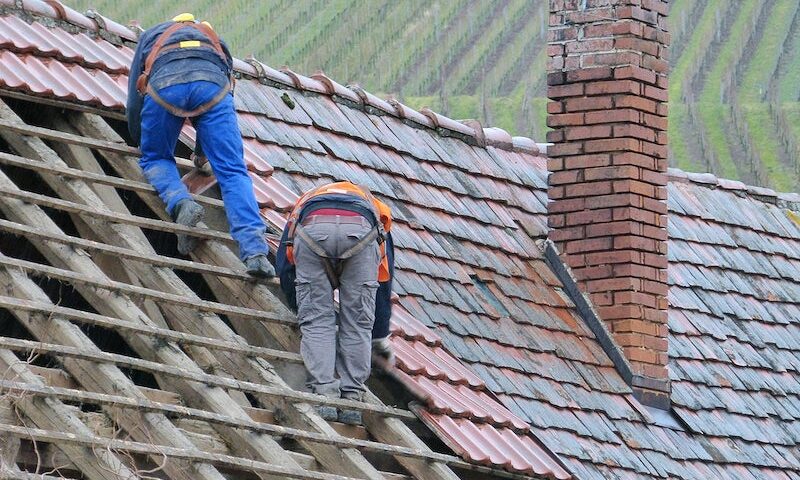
336,238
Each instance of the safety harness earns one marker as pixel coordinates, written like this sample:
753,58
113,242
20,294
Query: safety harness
160,48
334,270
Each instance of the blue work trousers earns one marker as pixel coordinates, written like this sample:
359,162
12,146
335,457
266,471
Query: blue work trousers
218,133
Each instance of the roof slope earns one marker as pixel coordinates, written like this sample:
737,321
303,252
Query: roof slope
472,278
295,133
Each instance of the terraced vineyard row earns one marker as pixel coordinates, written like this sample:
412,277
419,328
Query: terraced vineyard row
734,88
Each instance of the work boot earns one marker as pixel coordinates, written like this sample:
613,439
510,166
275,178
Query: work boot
187,213
259,266
351,417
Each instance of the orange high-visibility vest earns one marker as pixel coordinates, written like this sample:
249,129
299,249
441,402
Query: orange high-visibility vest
383,215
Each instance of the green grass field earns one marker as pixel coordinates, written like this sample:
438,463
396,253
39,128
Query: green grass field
734,86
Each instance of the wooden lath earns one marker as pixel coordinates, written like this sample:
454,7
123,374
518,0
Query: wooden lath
159,430
301,417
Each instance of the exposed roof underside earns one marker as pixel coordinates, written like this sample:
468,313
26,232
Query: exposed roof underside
473,281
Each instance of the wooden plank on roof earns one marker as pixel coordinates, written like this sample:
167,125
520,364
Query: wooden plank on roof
94,441
54,415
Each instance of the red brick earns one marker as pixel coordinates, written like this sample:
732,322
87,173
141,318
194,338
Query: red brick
640,271
654,150
658,94
561,34
593,131
658,344
657,316
562,149
654,63
587,161
633,325
612,172
636,44
635,131
587,103
656,288
585,217
619,312
612,116
615,28
588,245
635,354
655,260
555,193
610,58
555,50
555,107
556,78
601,299
634,242
555,136
634,158
638,103
608,258
637,13
556,221
657,206
554,164
591,45
589,189
588,16
635,73
613,284
563,177
613,228
587,74
559,120
612,145
653,177
613,86
658,6
593,273
623,200
634,186
654,121
635,214
570,205
565,234
567,90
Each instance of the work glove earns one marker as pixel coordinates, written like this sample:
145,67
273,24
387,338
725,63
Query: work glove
201,163
381,347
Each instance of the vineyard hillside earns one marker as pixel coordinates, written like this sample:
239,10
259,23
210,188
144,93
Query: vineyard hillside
734,87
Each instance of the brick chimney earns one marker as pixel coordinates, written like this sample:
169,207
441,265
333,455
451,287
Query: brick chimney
607,79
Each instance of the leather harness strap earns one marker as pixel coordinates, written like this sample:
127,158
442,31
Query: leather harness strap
332,272
159,48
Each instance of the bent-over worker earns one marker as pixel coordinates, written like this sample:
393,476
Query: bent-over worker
338,236
183,70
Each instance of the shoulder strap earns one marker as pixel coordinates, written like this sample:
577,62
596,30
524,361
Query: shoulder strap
155,52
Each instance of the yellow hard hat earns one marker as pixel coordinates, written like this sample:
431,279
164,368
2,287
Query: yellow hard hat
183,17
207,24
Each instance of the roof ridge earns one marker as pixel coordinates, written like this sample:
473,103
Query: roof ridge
709,180
471,131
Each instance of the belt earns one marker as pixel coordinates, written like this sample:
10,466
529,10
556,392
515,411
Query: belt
311,219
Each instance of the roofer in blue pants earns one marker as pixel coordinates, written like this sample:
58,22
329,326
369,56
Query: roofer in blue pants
182,69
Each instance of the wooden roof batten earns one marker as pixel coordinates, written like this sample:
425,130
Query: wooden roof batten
193,324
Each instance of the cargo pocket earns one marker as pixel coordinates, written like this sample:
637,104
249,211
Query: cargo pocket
366,318
302,293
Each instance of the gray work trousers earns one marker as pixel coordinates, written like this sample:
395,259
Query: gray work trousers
325,353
